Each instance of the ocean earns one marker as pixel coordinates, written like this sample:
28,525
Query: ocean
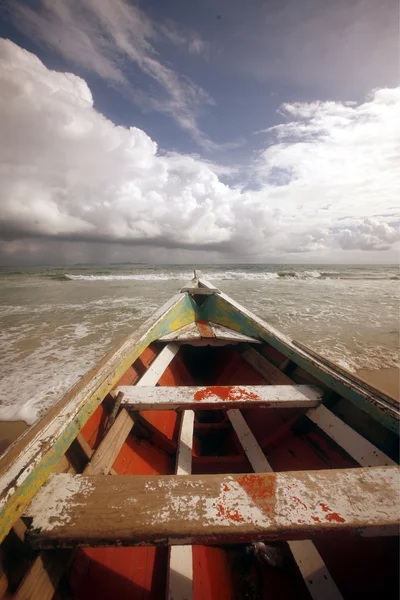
57,322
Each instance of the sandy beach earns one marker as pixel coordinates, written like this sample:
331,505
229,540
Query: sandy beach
385,380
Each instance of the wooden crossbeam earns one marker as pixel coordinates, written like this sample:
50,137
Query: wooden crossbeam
220,397
79,510
365,453
309,561
180,573
192,333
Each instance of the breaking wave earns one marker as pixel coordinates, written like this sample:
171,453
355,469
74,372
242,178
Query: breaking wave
230,275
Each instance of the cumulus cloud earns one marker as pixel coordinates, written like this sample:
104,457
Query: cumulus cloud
369,235
69,174
104,35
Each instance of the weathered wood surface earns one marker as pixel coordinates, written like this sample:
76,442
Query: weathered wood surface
272,374
224,310
205,329
114,411
200,291
225,333
158,366
180,571
184,454
43,576
41,581
316,576
365,453
110,446
26,465
79,510
219,397
192,332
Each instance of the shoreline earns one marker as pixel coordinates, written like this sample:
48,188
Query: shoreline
384,380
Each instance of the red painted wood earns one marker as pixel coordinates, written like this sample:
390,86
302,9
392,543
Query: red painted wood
272,354
212,578
93,429
205,329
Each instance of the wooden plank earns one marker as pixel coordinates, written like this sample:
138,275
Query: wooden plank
197,291
272,374
187,333
225,333
190,333
249,443
157,367
180,572
41,580
79,510
365,453
184,454
220,397
316,576
26,464
113,414
110,446
205,329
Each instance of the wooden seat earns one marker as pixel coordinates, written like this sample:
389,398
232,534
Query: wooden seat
79,510
220,397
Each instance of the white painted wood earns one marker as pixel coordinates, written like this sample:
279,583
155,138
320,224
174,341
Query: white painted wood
157,367
180,575
226,333
93,510
312,568
249,443
316,576
180,582
190,332
365,453
219,397
184,454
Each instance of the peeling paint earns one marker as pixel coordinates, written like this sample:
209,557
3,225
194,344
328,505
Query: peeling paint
230,393
55,504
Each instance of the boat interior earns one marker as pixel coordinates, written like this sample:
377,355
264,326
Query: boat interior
207,436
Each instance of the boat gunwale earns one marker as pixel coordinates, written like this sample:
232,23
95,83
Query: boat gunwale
372,401
29,461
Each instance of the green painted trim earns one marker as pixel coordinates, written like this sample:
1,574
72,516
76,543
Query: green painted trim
220,311
180,314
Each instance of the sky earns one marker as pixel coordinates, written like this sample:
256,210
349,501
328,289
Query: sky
209,131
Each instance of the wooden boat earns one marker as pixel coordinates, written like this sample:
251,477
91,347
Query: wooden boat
206,457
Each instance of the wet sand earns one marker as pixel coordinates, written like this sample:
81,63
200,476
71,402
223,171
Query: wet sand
386,380
10,431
